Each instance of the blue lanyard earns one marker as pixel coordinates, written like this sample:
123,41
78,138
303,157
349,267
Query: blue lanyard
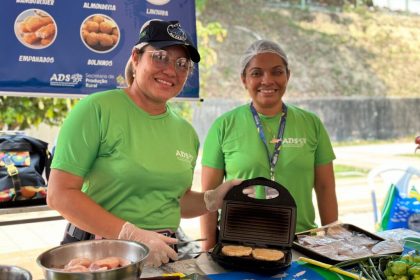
272,159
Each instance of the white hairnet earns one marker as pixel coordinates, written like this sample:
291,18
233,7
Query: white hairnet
262,46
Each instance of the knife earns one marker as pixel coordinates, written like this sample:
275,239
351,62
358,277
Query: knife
195,253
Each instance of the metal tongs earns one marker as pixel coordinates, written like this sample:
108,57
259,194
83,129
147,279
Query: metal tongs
189,241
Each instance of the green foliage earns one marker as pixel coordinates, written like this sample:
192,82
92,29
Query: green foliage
20,113
200,5
183,109
211,33
208,35
342,171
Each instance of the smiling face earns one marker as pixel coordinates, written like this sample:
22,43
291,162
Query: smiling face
154,84
265,79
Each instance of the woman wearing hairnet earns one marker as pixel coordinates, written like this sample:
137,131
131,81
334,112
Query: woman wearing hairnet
272,139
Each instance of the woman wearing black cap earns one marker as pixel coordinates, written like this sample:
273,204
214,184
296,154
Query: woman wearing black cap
124,161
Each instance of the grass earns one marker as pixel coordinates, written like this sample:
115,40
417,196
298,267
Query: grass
413,155
344,171
375,141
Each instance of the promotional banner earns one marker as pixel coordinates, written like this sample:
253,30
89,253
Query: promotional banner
73,48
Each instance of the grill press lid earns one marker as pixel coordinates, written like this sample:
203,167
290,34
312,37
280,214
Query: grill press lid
263,222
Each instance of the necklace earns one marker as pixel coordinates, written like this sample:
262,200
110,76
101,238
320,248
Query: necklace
274,139
274,156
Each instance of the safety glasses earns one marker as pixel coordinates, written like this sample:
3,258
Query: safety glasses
161,60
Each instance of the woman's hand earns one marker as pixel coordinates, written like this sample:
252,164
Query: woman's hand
160,252
214,198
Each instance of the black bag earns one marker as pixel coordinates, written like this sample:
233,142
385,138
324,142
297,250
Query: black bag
23,161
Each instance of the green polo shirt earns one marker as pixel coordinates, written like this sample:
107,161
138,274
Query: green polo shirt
233,144
135,165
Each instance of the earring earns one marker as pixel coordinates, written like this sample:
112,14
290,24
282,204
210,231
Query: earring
133,68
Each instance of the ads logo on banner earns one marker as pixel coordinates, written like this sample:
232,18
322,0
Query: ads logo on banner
158,2
65,80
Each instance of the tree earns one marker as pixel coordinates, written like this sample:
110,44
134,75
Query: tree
18,113
205,33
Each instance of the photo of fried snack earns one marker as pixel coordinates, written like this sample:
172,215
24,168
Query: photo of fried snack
267,254
236,251
100,33
35,29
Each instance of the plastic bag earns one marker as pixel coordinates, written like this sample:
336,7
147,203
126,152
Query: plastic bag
401,210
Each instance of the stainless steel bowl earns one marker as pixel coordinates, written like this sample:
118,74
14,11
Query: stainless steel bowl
9,272
53,260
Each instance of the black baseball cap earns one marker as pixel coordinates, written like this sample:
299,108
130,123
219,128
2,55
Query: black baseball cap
161,34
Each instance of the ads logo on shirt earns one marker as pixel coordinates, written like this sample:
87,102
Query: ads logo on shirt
294,142
184,156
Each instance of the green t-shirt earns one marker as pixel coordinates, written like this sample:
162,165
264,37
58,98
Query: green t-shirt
135,165
233,144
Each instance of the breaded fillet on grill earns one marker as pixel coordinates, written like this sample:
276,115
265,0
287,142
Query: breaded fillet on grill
267,254
236,251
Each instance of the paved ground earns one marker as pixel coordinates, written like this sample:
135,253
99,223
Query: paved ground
370,156
353,194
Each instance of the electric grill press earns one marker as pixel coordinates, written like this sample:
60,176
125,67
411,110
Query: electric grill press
257,223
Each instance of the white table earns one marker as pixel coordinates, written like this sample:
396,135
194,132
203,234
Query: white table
16,215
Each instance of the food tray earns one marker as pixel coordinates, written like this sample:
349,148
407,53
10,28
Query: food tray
316,254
